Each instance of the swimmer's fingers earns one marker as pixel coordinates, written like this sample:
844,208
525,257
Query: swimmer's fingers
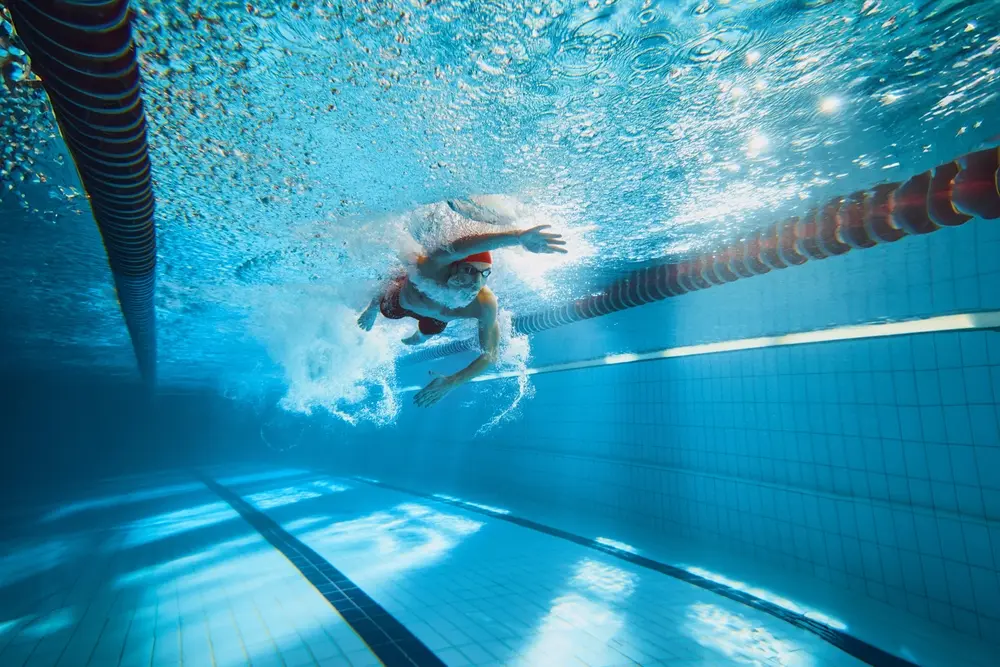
433,392
428,397
421,398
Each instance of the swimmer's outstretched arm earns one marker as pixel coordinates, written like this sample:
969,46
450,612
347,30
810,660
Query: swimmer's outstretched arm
532,240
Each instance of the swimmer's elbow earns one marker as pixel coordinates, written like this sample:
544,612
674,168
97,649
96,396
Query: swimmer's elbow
491,353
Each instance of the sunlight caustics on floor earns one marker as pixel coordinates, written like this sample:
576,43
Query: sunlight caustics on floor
295,567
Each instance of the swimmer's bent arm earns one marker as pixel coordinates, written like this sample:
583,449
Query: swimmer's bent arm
489,341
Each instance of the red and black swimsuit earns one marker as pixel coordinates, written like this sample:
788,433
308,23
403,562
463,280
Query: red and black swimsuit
391,308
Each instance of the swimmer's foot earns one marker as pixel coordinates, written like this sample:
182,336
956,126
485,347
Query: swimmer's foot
415,339
367,318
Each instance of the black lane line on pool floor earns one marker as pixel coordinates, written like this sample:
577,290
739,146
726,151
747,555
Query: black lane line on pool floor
856,648
388,639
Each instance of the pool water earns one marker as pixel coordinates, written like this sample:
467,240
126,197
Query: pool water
751,417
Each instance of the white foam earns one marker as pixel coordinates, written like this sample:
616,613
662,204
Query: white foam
515,354
328,361
330,364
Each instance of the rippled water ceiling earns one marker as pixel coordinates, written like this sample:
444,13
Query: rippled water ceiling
284,135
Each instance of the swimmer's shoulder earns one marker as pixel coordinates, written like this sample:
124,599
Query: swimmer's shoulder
485,305
486,299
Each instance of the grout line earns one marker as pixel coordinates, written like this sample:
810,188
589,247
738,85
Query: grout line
156,629
972,321
236,628
276,652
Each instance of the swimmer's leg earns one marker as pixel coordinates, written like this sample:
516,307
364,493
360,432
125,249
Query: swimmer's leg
416,338
426,328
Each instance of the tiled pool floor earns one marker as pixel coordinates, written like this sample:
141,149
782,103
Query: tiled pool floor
167,570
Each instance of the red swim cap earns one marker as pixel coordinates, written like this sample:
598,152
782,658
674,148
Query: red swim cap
483,257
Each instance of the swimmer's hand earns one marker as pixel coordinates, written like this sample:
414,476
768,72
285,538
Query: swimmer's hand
367,319
536,240
435,391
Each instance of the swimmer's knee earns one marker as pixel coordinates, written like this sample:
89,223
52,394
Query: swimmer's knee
429,327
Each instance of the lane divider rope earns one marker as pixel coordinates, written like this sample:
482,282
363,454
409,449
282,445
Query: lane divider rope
947,196
85,57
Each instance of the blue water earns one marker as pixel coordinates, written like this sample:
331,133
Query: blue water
711,479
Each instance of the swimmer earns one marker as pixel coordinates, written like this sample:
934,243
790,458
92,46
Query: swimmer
450,284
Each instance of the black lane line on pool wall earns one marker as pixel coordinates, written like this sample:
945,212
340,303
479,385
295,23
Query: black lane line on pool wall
856,648
388,639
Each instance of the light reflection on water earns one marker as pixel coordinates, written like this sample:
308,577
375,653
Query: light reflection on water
284,137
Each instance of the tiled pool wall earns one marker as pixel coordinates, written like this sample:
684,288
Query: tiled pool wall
62,431
873,464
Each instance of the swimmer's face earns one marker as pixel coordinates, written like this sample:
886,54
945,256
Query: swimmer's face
469,274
